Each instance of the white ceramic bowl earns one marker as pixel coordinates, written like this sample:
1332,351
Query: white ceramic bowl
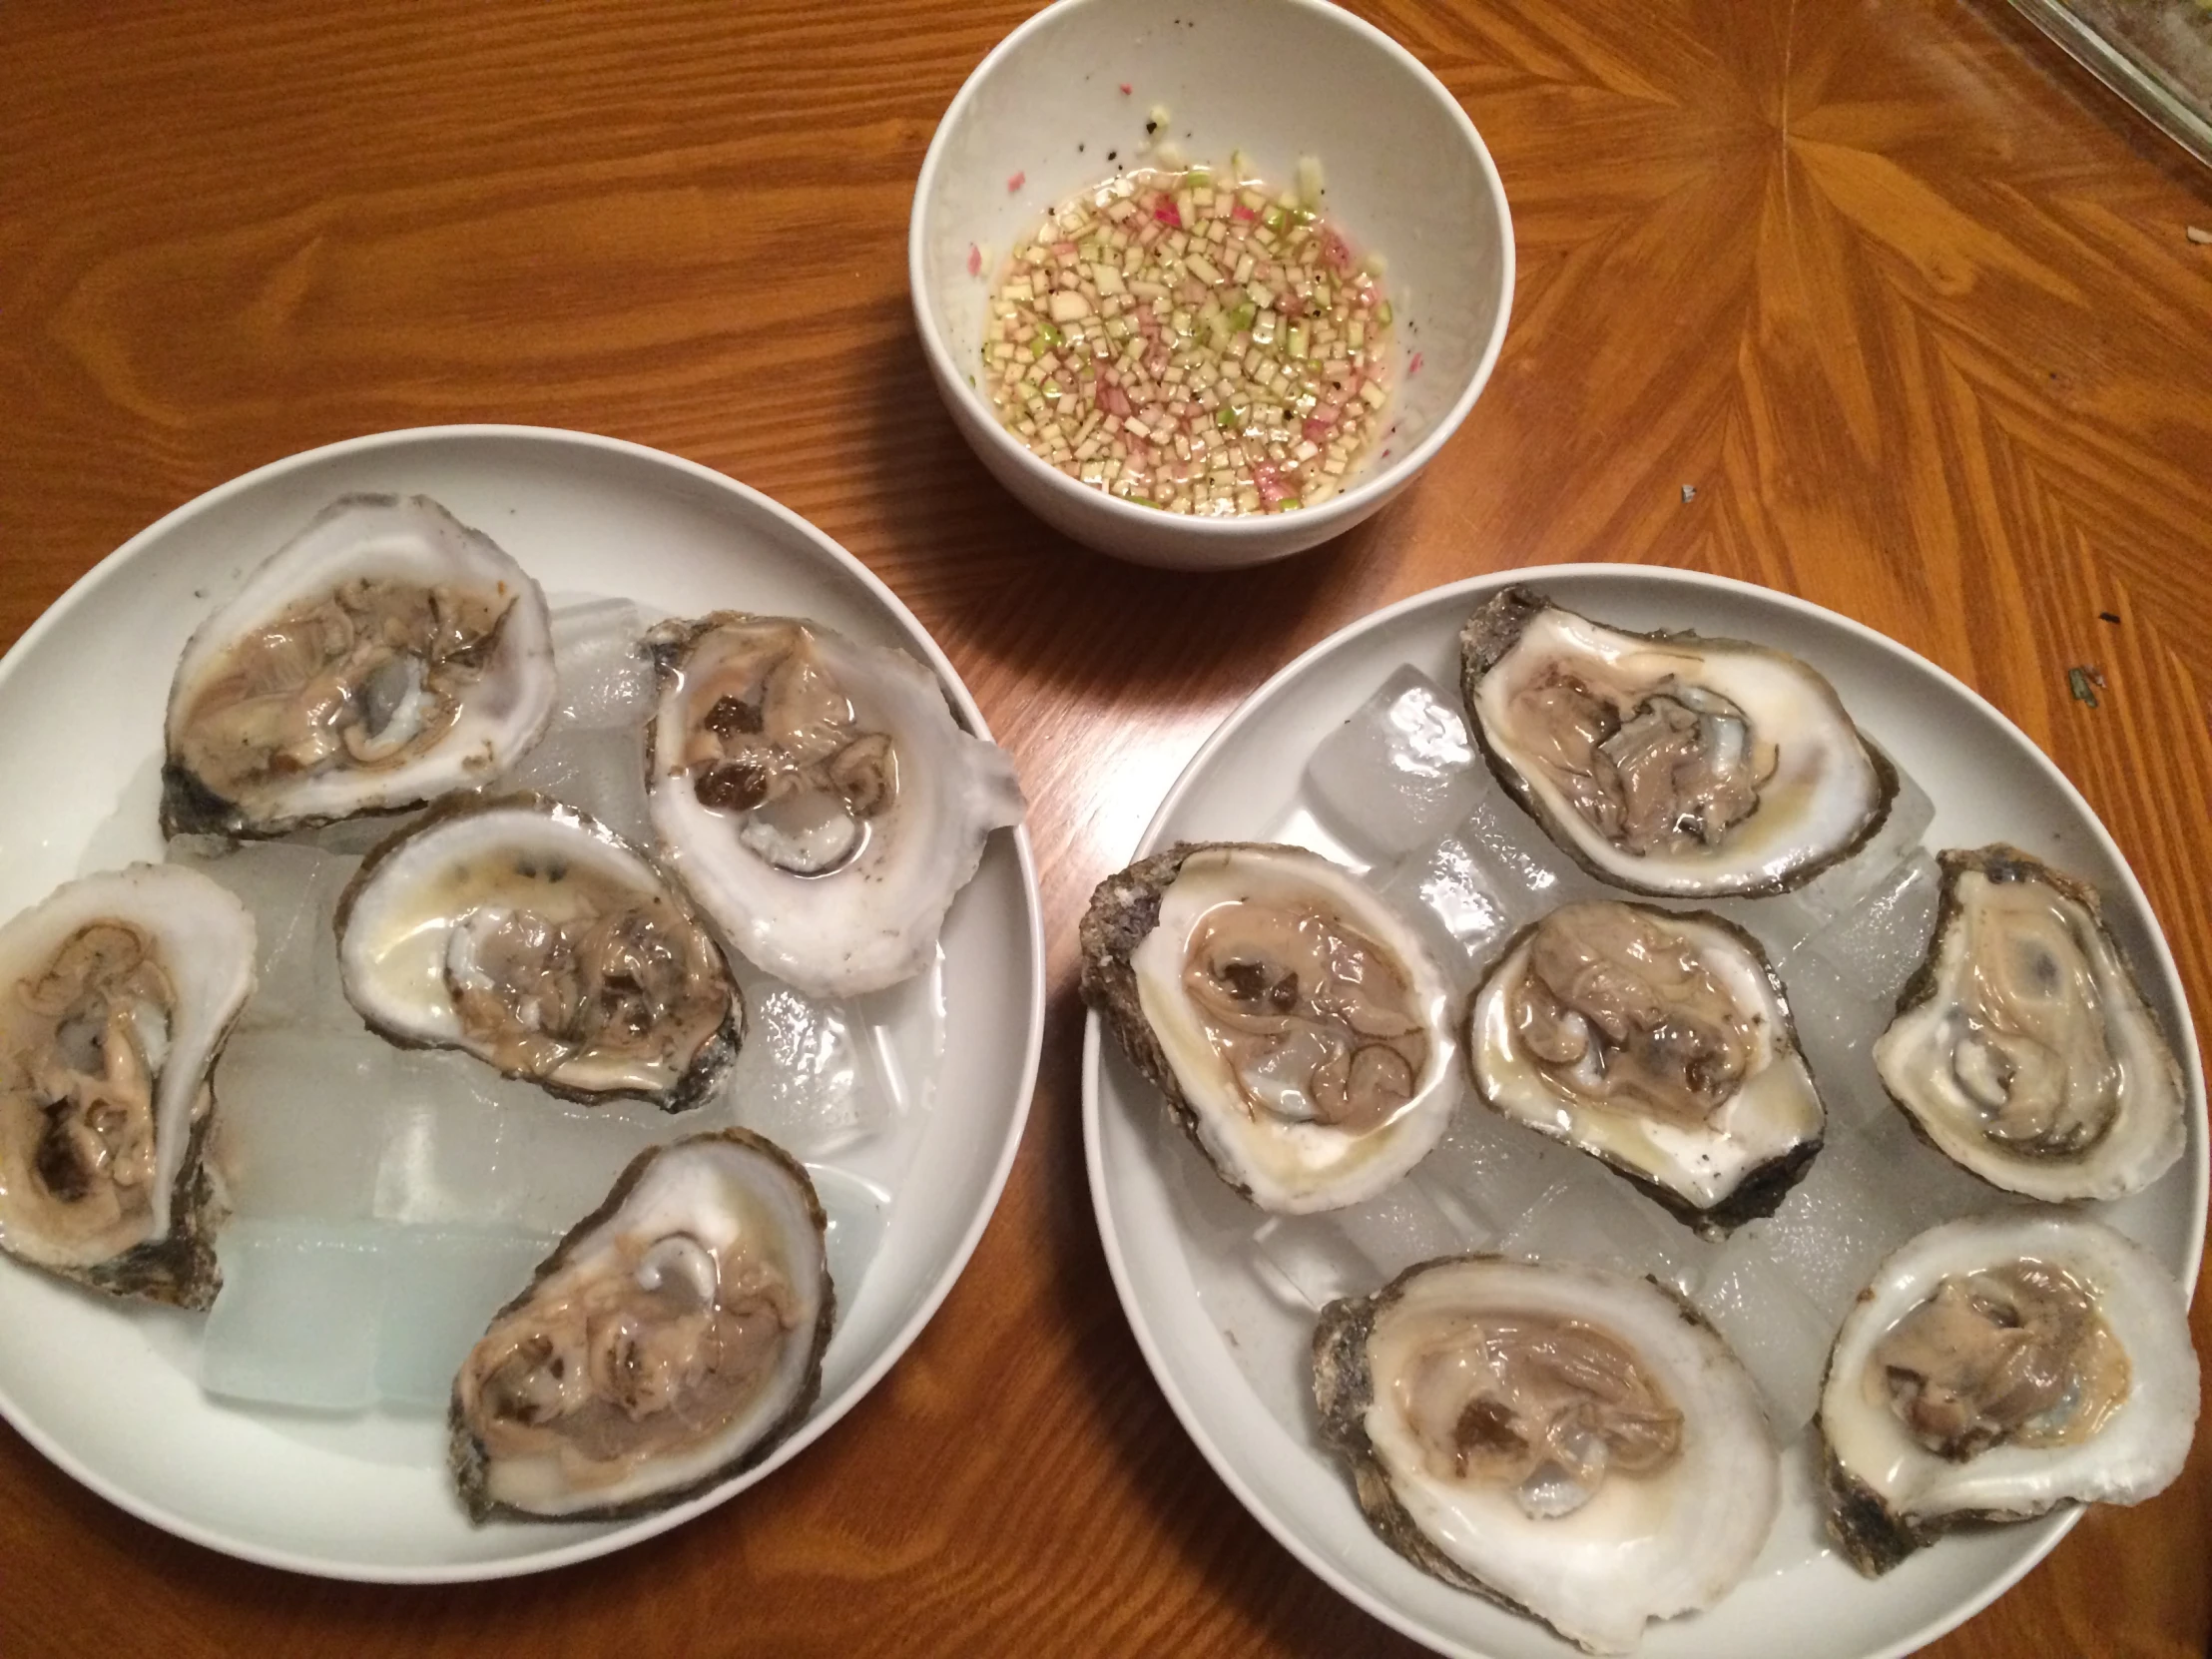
1407,178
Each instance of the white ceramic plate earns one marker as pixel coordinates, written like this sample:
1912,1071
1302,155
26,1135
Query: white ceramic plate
107,1391
1987,782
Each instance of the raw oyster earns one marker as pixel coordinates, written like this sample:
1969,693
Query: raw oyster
523,932
117,993
1296,1024
1570,1444
2023,1048
816,796
671,1340
385,656
1659,1042
1996,1368
1667,764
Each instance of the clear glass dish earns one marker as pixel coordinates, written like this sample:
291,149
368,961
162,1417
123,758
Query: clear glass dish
2156,53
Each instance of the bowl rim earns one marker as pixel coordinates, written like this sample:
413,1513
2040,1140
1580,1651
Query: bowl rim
1340,511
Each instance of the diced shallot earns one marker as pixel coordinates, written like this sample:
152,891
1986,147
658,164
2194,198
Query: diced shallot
1192,342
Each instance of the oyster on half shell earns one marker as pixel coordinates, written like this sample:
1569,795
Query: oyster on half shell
2024,1048
1997,1367
671,1340
1669,764
816,796
117,993
1298,1027
1570,1444
1659,1042
523,932
385,656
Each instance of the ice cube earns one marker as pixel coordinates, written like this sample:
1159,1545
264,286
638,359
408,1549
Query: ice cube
901,1032
599,771
301,1119
1833,1228
1787,920
1491,876
1595,1218
1311,1261
441,1286
1397,1229
448,1161
799,1079
1876,946
1471,1228
565,1157
606,679
1922,1184
1496,1168
1526,868
296,1320
291,892
469,1148
1837,1025
352,836
1449,889
1400,771
1779,1337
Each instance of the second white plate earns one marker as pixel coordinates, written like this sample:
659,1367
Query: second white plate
1987,782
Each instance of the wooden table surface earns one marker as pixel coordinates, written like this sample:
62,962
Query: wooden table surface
1903,294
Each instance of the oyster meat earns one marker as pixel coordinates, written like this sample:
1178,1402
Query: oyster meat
117,993
816,796
1570,1444
1655,1040
1669,764
1996,1368
385,656
523,932
2023,1048
1298,1026
671,1340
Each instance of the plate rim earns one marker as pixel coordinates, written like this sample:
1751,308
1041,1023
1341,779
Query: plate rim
2055,1526
819,1423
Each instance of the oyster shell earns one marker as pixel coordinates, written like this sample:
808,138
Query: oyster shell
671,1340
1298,1027
816,796
1669,764
1570,1444
2023,1048
1659,1042
385,656
523,932
1997,1367
117,993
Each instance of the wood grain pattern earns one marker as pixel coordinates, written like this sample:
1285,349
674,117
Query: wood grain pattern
1904,294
